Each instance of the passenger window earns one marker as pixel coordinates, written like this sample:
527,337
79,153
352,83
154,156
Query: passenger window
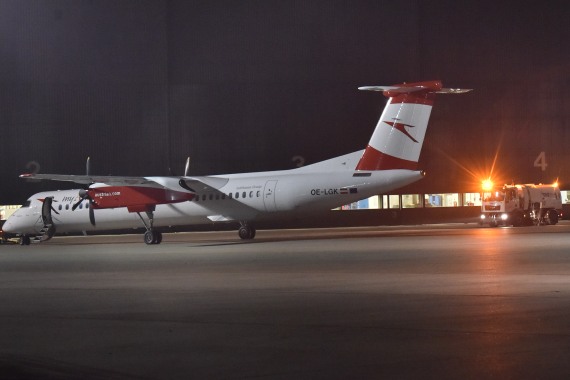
237,195
243,195
230,195
67,207
203,197
59,207
197,198
258,193
251,194
223,195
211,196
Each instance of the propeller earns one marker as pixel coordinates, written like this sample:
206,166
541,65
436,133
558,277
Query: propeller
187,167
88,166
84,194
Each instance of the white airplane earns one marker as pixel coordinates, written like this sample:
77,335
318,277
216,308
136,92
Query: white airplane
113,202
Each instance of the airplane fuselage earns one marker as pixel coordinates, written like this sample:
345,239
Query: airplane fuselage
245,197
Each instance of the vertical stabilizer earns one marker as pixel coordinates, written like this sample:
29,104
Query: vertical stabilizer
399,135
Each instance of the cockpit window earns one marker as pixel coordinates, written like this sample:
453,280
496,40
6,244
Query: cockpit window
27,203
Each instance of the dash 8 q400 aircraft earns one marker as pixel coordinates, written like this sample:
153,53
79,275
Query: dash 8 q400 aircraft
113,202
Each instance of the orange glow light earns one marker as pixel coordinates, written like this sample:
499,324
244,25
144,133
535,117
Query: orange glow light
487,185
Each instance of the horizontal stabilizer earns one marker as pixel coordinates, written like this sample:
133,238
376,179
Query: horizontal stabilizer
403,89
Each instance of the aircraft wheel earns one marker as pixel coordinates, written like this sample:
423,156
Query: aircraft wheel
150,237
246,232
158,237
25,240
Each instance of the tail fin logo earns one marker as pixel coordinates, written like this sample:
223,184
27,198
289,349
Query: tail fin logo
402,128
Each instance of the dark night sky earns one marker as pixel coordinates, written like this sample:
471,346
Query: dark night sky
248,85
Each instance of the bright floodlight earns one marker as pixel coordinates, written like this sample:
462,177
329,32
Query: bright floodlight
487,185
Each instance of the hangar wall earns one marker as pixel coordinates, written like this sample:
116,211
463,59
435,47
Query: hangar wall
247,86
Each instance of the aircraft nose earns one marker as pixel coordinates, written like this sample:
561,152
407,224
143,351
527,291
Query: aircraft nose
8,226
11,225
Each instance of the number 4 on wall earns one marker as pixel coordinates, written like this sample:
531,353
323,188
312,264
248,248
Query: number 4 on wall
540,161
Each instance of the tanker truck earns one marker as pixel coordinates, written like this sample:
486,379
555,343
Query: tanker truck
520,205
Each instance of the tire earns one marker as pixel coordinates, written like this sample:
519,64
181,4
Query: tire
246,232
149,237
243,233
518,219
552,217
158,237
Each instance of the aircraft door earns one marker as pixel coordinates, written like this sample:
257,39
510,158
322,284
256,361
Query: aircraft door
269,196
48,229
46,211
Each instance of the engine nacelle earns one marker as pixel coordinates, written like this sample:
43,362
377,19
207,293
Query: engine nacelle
135,198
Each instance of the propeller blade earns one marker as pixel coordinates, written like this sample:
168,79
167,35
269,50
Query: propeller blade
88,166
91,214
187,167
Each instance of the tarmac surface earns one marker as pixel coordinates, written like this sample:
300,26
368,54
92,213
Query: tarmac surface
430,302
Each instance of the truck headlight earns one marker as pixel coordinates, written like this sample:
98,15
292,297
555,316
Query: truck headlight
504,216
482,216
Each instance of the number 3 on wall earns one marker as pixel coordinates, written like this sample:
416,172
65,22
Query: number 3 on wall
540,161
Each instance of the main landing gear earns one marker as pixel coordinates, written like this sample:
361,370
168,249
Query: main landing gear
151,236
24,240
246,231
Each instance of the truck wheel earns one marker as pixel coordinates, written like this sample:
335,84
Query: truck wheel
552,217
518,220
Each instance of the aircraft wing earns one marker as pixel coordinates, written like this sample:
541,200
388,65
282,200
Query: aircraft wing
202,184
90,179
191,184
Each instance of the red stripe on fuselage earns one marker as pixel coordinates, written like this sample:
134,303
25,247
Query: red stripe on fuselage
373,159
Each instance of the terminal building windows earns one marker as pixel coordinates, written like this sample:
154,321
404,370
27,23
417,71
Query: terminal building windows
390,201
472,199
394,201
412,201
442,200
371,203
7,210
